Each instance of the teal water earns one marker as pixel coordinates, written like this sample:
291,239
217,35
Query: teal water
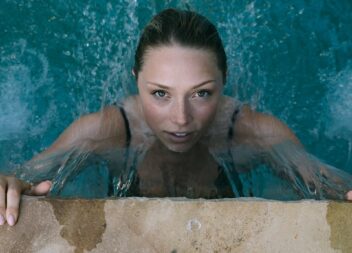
60,59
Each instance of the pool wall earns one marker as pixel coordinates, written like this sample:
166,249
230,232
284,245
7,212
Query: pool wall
179,225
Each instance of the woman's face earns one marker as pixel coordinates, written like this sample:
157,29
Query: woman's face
179,88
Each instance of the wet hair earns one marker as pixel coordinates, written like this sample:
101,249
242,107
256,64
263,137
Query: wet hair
184,28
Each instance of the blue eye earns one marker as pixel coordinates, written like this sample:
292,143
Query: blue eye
203,93
159,93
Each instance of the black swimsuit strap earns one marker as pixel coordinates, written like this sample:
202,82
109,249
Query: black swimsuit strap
113,191
235,178
127,126
233,119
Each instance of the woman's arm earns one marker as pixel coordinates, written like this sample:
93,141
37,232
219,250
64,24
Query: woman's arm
276,145
96,132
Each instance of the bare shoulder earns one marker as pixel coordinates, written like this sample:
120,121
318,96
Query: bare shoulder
253,127
219,128
97,131
109,124
139,129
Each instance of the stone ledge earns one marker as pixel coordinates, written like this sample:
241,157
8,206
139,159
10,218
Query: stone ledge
179,225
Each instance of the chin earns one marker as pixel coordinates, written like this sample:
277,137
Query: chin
179,148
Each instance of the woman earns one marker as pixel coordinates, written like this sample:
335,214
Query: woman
184,133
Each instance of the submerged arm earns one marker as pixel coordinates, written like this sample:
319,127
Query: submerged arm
277,146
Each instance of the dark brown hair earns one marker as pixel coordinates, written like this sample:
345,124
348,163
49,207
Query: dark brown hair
186,28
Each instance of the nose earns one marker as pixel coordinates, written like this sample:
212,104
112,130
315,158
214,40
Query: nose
181,113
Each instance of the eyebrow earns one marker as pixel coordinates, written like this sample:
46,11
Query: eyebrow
195,87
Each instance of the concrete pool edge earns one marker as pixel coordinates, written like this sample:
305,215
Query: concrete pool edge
179,225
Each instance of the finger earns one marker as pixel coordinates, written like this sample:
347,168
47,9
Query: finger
13,200
40,189
3,184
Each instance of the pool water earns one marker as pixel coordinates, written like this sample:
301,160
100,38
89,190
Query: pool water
61,59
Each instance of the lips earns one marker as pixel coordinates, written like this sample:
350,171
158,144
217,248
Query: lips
180,134
180,137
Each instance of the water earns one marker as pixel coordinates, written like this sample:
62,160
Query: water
61,59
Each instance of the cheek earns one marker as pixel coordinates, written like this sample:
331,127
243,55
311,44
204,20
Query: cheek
206,112
154,114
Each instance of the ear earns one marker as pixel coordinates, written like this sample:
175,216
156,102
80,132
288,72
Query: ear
133,73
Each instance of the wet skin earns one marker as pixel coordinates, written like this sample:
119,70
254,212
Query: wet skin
190,174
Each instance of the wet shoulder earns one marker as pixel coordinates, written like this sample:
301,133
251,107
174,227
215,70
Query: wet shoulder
224,119
139,130
252,127
111,126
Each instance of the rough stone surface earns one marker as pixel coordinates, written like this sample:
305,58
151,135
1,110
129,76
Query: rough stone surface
178,225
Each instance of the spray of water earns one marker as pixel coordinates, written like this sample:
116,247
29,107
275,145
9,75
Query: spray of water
309,176
305,175
339,100
20,82
63,166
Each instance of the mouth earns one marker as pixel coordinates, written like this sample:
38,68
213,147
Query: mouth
180,137
180,134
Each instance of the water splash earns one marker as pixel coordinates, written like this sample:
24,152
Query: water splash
104,53
339,113
23,73
110,172
339,99
301,174
310,177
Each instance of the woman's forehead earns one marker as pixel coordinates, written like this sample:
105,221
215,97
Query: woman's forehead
179,62
177,51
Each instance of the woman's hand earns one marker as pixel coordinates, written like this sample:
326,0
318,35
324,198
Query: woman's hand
11,189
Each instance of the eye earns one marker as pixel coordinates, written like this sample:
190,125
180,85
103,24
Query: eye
159,93
203,93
